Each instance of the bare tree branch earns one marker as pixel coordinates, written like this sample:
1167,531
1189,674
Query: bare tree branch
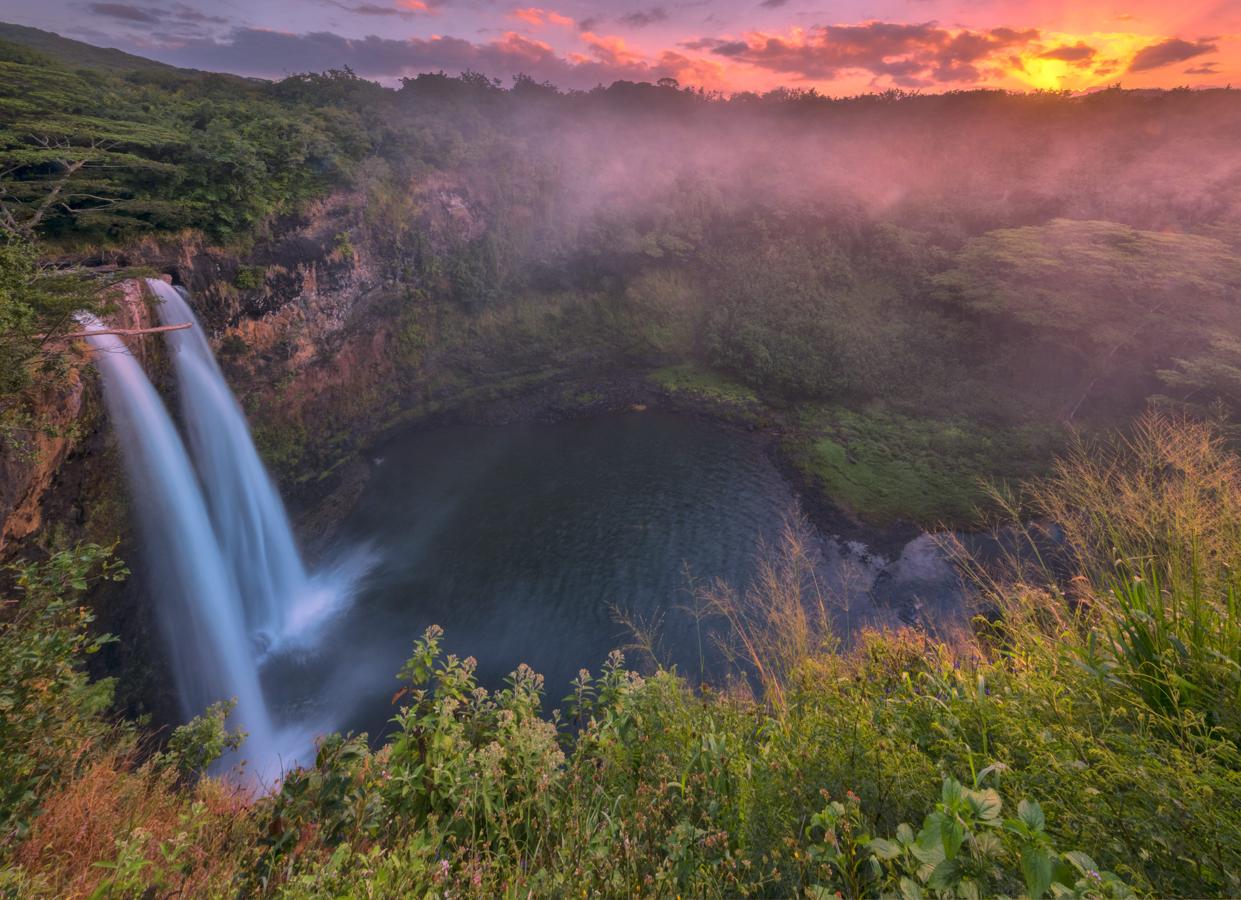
58,196
41,210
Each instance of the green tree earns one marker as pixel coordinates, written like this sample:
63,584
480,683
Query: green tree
1209,378
1117,298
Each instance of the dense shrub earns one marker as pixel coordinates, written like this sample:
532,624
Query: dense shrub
52,712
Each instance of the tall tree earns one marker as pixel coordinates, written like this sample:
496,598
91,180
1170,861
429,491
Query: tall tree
1119,298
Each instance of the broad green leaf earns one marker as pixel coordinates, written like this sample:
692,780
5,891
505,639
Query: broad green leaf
987,803
950,794
1080,861
1031,814
987,844
952,834
944,876
1036,870
910,889
884,849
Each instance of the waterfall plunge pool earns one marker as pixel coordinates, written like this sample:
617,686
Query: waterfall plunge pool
524,541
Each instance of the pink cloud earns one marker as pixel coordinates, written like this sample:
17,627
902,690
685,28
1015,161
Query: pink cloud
533,15
909,54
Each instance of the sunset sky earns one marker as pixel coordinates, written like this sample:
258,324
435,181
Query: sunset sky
842,47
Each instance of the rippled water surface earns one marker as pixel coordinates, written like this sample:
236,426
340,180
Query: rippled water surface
521,541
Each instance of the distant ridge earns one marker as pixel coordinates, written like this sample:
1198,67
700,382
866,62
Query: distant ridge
76,54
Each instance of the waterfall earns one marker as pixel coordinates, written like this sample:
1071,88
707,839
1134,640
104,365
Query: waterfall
225,571
197,597
249,517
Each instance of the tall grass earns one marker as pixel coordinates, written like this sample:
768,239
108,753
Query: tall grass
785,616
1149,523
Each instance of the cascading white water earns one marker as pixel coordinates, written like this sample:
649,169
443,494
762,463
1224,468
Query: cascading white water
196,595
227,576
250,520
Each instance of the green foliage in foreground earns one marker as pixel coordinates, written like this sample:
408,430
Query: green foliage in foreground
659,793
1080,744
49,709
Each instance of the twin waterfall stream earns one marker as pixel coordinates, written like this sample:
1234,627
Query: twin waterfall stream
227,579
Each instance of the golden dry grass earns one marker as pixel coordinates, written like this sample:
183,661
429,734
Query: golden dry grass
112,800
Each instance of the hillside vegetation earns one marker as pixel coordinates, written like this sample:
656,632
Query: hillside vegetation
76,54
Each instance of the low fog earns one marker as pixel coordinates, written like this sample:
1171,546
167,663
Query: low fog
953,163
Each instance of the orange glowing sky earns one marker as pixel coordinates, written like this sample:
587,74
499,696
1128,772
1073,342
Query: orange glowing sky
842,47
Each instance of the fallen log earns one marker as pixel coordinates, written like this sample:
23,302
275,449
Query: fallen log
123,332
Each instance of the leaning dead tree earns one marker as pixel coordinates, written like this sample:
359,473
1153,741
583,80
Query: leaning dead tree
25,204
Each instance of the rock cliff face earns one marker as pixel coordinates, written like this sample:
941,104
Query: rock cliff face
64,413
27,469
287,316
